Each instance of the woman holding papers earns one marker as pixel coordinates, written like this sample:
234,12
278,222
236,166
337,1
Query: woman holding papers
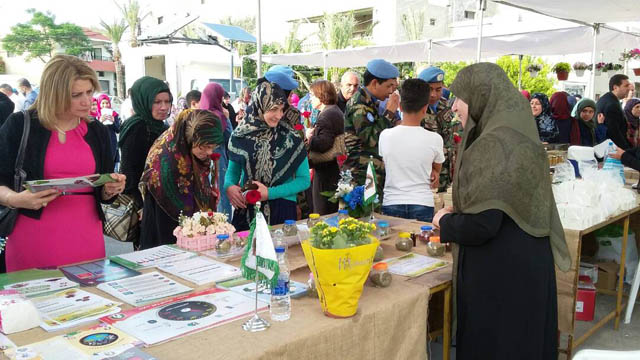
176,175
53,230
505,224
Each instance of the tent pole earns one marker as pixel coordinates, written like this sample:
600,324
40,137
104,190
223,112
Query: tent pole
259,38
324,65
429,54
592,81
520,72
482,4
231,87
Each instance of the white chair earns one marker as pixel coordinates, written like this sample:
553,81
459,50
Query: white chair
606,355
632,296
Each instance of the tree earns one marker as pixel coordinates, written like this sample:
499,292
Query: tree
451,70
336,32
131,13
291,43
541,83
41,36
114,32
413,24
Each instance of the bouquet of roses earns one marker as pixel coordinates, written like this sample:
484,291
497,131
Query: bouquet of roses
203,223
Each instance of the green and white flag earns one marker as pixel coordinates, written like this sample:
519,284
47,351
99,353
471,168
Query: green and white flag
260,253
370,184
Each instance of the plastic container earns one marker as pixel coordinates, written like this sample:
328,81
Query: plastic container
241,238
224,245
280,309
434,247
312,220
278,239
382,229
343,214
426,232
404,242
380,275
290,228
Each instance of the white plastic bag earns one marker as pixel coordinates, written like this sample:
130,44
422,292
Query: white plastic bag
610,249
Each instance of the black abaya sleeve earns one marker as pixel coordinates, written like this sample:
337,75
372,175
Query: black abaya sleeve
631,158
470,229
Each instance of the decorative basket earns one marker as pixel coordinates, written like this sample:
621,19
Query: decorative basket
197,243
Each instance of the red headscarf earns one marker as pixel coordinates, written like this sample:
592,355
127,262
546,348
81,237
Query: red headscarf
211,99
99,111
561,110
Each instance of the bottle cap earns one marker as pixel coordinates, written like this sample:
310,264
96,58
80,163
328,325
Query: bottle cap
222,236
404,235
426,228
381,266
314,216
435,239
383,224
289,222
279,249
343,211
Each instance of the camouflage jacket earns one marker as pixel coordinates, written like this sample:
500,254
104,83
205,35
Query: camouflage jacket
362,126
445,123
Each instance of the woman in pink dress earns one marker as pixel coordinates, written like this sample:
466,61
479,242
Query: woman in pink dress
52,228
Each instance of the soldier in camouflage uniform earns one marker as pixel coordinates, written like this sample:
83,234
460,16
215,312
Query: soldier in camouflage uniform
441,119
363,121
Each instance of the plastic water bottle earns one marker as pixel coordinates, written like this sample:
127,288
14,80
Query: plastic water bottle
278,239
613,165
280,299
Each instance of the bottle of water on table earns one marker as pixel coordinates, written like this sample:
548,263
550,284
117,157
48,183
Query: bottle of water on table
280,299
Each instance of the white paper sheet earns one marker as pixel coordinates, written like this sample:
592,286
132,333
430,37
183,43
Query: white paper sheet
143,289
201,270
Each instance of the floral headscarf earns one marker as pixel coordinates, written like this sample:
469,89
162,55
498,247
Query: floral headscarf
177,179
268,155
547,127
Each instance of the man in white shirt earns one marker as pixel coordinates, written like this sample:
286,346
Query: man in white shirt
412,156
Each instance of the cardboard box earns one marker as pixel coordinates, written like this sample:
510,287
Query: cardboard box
586,299
607,275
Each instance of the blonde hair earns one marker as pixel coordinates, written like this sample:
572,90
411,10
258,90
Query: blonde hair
56,86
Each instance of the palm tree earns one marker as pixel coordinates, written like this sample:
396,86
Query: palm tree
131,13
114,32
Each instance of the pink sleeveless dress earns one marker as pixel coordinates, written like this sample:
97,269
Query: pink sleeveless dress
69,230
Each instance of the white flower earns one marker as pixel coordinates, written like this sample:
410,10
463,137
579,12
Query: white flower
211,230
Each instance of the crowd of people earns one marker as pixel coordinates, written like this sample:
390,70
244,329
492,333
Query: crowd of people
202,152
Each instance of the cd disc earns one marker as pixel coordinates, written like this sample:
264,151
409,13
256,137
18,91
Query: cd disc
187,310
99,339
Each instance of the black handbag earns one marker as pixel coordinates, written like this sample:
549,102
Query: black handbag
8,215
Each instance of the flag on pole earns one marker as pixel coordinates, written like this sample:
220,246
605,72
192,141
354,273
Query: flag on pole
370,184
259,253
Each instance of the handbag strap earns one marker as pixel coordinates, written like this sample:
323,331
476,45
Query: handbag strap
20,175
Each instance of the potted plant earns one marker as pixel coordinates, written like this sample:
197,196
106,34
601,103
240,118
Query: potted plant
562,70
580,67
597,67
533,69
633,58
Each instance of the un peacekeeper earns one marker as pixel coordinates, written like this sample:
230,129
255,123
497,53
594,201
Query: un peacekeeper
364,121
441,119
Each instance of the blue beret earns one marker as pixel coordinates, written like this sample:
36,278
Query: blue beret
283,80
283,69
432,75
382,69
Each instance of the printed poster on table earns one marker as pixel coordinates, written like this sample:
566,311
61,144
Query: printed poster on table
144,289
97,342
183,315
413,265
247,288
35,282
152,257
97,272
72,307
201,270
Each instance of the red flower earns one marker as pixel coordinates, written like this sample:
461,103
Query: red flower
457,139
341,159
252,196
306,114
299,127
215,156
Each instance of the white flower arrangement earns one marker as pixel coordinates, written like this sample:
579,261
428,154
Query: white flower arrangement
203,223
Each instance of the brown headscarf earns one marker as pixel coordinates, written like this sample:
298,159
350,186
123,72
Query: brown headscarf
501,164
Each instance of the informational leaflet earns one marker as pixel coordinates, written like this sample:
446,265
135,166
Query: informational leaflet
183,315
201,270
152,257
69,184
247,288
97,272
72,307
97,342
143,289
413,265
32,283
5,343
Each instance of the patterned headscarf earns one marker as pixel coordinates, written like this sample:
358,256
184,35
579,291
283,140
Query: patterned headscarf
143,94
268,155
211,99
499,128
177,179
99,111
632,121
547,128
